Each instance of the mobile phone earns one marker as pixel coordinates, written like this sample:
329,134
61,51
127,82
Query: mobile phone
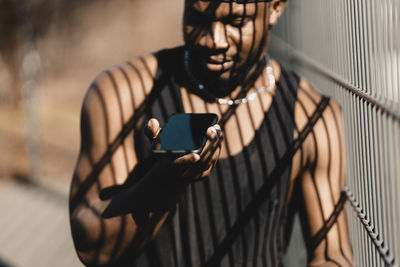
184,133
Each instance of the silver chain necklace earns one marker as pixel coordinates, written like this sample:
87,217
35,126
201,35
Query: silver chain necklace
230,102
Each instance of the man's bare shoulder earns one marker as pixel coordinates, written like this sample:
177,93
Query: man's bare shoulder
329,127
308,98
115,95
126,84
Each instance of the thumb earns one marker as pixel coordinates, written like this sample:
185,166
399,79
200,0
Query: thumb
153,129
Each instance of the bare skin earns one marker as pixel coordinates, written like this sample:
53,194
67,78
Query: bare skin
103,228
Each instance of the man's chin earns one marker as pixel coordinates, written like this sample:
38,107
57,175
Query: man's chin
220,83
223,85
224,75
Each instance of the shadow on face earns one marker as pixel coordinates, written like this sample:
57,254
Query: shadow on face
227,39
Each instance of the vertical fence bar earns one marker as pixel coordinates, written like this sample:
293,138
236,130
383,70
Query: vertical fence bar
396,200
29,74
374,141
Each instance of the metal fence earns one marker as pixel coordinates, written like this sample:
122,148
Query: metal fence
351,51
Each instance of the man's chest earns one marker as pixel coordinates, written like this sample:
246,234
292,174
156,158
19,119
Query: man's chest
239,127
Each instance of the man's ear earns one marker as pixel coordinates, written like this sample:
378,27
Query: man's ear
276,10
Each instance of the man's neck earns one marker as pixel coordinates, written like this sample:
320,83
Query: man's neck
255,78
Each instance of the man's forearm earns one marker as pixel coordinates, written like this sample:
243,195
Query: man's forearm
158,191
137,211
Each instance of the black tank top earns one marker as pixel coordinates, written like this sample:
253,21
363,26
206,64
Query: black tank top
208,209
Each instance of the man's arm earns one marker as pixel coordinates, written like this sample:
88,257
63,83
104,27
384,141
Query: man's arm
320,165
322,189
106,159
115,204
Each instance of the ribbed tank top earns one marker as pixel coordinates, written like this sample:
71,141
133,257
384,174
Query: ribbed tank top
208,209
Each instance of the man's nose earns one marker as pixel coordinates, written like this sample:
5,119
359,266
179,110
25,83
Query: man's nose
215,36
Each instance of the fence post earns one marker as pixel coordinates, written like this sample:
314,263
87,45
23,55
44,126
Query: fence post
29,80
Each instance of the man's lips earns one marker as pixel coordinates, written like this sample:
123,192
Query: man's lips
218,65
214,62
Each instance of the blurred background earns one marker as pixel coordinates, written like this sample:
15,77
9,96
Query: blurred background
50,51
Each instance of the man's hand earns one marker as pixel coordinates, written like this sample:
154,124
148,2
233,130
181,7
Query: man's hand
191,167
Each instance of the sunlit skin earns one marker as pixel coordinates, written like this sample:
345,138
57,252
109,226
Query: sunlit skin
227,43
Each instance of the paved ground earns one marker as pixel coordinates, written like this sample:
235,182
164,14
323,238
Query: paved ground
34,225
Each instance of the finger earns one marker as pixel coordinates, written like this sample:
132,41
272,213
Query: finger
209,160
204,164
219,131
212,133
186,160
206,160
216,143
210,153
214,136
185,165
153,129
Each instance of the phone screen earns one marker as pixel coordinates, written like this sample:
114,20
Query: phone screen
185,133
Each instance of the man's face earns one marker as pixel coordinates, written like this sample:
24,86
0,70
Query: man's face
225,38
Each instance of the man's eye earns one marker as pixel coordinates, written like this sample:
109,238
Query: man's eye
237,22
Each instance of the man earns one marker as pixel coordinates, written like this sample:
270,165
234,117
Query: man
278,147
